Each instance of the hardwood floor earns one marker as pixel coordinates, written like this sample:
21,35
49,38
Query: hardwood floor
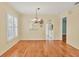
41,48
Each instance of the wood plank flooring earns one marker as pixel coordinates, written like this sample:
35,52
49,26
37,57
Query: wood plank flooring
41,48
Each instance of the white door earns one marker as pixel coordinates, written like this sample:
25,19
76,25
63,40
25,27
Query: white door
49,32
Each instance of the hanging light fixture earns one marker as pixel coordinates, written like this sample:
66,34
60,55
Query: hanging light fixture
37,19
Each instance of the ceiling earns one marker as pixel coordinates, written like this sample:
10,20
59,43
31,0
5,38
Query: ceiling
45,7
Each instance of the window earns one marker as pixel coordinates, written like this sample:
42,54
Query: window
12,27
15,27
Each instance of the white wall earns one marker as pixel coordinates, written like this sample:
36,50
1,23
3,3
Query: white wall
27,34
4,44
72,26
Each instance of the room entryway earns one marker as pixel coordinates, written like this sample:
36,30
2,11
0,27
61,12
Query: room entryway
64,29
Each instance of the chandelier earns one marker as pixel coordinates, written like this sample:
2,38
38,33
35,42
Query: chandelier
37,19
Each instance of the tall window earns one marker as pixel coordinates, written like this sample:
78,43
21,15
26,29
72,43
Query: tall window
15,27
12,27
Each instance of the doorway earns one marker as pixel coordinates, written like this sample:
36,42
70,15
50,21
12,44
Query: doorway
64,29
